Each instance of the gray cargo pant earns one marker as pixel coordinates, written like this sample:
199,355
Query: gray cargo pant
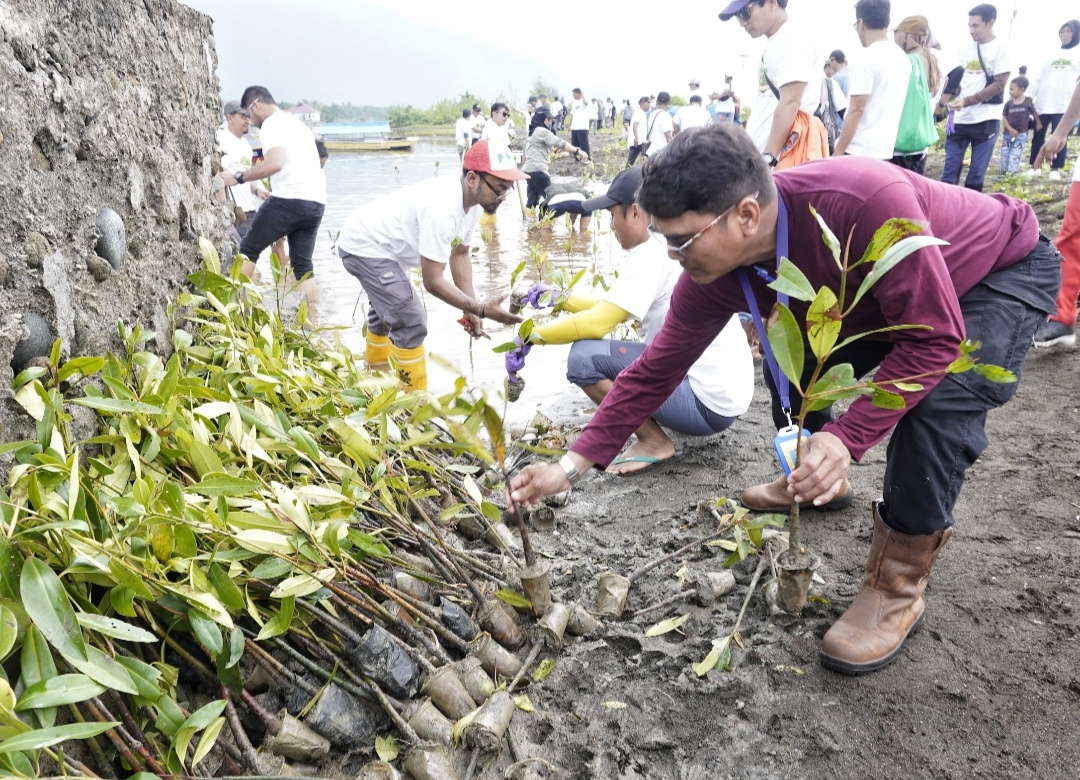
394,308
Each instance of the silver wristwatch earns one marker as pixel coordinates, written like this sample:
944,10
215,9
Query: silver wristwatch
568,466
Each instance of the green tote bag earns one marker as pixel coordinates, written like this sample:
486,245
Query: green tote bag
917,130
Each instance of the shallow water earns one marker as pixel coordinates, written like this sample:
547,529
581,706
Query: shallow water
354,179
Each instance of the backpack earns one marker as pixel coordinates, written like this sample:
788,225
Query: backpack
826,110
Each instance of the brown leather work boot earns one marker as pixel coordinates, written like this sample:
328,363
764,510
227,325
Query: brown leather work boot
773,497
889,606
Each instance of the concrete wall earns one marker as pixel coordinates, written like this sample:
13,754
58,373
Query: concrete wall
107,117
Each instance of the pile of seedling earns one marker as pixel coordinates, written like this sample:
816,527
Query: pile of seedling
265,555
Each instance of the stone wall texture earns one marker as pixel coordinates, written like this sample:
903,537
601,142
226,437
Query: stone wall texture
107,116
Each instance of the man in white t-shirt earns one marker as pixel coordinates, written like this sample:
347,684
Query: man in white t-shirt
789,77
877,87
692,115
718,387
975,91
463,132
235,157
695,87
297,187
427,226
660,128
638,130
579,121
499,128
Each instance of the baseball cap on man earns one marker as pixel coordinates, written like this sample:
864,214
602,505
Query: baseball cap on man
733,8
232,107
622,191
494,158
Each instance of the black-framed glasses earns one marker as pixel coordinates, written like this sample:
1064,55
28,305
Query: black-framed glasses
680,251
498,195
504,113
744,13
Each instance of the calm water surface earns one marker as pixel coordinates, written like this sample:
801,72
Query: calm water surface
354,179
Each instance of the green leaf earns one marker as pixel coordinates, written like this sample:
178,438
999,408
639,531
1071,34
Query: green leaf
271,569
201,719
995,373
65,689
43,738
236,647
892,256
204,460
28,375
130,580
786,342
665,626
883,399
830,241
967,346
887,236
9,631
522,703
84,366
206,631
279,624
792,281
544,668
709,662
514,599
836,384
889,329
117,629
15,446
823,323
227,591
207,740
47,603
36,664
763,521
224,486
143,675
117,405
103,669
961,364
210,258
509,346
386,748
907,387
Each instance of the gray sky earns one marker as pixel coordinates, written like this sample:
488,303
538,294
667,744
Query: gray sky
417,51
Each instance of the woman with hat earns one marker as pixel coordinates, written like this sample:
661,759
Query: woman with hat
537,154
913,35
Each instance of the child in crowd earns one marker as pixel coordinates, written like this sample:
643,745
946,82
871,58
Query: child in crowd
1019,111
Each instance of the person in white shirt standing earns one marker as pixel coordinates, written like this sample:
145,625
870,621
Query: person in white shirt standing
976,93
877,87
693,115
789,65
660,129
1053,89
498,127
579,121
428,225
463,132
638,130
557,109
297,188
236,157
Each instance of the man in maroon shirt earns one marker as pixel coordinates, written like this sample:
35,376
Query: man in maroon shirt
995,282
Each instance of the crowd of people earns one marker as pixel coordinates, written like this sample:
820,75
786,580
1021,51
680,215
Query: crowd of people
846,141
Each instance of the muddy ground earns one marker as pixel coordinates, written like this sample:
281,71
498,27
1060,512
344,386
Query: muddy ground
989,688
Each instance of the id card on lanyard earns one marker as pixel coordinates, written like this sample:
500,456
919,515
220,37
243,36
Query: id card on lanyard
785,441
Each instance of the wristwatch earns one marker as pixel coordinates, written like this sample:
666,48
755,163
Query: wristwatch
568,466
239,176
769,159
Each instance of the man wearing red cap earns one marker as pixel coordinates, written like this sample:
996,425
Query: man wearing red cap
426,226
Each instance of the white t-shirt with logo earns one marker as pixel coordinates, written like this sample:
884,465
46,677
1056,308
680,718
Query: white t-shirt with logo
723,377
301,177
579,115
639,126
463,131
236,156
997,58
790,56
422,220
494,132
659,124
692,116
882,72
1053,86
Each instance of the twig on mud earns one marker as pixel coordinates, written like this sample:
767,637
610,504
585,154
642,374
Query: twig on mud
660,561
669,602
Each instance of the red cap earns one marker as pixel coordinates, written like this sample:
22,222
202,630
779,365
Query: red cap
494,158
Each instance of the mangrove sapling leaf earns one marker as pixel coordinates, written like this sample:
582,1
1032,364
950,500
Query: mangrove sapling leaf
117,405
227,591
103,669
961,364
830,240
28,375
30,399
892,256
65,689
117,629
43,738
522,703
224,486
81,366
792,281
205,630
906,387
823,323
279,623
514,599
720,647
786,341
884,399
201,719
509,346
207,740
271,569
386,748
995,373
887,236
36,664
9,631
543,669
666,626
890,328
46,601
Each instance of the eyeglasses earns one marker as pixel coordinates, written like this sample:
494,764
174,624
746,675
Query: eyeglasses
503,113
249,106
744,13
680,251
498,195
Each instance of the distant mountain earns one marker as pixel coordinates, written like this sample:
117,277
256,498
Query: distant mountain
339,52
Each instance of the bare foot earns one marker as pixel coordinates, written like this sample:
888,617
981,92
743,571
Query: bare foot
661,451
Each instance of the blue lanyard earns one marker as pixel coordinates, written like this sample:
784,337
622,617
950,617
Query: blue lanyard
783,386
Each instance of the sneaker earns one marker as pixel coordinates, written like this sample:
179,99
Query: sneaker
1054,176
1053,332
1031,173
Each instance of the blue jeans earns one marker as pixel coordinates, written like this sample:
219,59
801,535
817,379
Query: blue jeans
1012,152
981,138
593,360
938,439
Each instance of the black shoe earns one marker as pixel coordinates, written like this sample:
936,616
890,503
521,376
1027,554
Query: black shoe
1053,332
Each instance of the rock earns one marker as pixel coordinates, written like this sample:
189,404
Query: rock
36,248
112,237
55,278
98,268
37,343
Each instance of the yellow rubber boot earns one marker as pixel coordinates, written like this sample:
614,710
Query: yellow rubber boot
377,352
411,366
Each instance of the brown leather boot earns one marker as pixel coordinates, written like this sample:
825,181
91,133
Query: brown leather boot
773,497
889,606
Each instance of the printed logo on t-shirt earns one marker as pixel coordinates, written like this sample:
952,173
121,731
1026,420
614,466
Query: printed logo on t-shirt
973,66
458,241
1063,63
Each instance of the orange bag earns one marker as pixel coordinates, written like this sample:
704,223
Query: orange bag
808,141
